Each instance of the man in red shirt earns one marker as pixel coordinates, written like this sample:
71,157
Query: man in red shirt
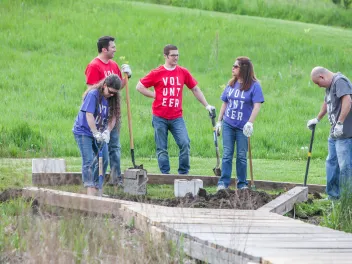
98,69
168,81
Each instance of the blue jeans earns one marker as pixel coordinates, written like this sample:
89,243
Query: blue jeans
115,156
90,167
230,136
338,166
178,130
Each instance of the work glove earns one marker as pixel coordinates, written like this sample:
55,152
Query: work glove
218,127
248,129
106,136
312,123
127,69
209,108
98,136
338,129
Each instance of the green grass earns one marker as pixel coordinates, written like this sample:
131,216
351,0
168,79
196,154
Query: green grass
67,236
312,11
47,45
16,173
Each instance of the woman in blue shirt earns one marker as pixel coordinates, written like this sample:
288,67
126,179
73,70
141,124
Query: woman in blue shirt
98,115
242,99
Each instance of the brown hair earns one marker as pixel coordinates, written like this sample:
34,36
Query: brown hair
104,42
112,81
246,73
169,47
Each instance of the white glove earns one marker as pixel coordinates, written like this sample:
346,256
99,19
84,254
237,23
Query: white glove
127,69
248,129
210,108
338,129
106,136
312,122
218,127
98,136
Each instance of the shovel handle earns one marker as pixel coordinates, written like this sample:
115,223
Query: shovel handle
129,118
250,161
309,155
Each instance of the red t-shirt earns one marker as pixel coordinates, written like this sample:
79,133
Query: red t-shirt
98,70
168,87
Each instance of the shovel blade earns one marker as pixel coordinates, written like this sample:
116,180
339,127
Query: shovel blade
217,171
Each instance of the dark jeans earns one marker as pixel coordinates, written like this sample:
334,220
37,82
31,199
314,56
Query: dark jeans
178,130
115,156
90,167
230,137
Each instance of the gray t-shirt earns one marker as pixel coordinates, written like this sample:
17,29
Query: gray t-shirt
339,87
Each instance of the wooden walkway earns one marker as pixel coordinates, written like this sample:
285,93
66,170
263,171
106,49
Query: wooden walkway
220,235
256,236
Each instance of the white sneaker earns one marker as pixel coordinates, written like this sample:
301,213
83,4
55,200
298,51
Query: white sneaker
220,187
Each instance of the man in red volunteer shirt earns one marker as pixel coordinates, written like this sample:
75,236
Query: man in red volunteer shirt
168,81
98,69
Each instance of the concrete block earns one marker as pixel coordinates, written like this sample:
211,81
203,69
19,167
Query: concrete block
135,181
181,187
48,165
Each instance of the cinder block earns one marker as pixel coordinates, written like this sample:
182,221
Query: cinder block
135,181
48,165
181,187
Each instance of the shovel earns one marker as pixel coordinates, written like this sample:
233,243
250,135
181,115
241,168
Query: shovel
130,125
216,170
101,177
309,155
250,164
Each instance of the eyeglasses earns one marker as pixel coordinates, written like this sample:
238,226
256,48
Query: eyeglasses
114,92
236,66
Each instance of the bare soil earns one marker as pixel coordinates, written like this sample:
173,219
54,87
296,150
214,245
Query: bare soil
10,194
246,199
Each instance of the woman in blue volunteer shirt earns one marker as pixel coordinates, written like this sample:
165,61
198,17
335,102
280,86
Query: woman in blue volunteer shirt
98,115
242,99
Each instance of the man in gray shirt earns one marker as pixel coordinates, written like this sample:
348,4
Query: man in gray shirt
337,104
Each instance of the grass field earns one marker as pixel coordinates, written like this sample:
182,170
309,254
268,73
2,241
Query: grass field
323,12
16,173
47,45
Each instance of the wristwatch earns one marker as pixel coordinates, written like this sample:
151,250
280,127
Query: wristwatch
339,123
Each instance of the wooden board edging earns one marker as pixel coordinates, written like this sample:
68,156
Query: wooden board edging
75,178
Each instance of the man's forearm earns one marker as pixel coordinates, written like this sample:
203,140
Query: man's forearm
199,95
143,90
322,112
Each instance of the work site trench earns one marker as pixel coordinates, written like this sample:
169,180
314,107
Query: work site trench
246,199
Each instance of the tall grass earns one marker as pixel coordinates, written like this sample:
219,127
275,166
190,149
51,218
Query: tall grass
322,12
46,46
47,234
340,215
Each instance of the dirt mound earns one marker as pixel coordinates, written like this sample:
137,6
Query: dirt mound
9,194
246,199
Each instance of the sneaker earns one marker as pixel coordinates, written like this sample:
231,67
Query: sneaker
221,186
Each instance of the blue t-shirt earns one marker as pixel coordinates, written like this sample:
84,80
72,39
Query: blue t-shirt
240,103
100,112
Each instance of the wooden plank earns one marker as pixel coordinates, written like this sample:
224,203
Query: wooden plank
285,202
218,236
75,178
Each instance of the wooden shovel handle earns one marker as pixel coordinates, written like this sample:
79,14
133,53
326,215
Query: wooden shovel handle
250,161
129,118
